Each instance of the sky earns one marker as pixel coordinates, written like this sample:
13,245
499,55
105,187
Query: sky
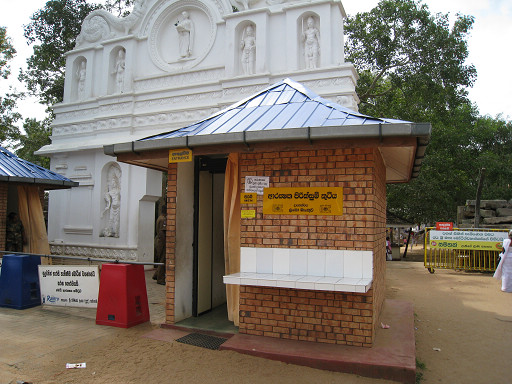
489,47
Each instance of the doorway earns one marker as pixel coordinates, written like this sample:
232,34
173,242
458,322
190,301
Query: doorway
209,291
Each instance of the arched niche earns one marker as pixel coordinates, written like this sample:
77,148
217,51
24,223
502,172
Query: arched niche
117,81
245,46
308,37
79,89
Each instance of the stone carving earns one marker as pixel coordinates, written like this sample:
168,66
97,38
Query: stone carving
94,252
311,39
99,24
248,47
81,75
112,198
179,79
119,67
242,4
185,28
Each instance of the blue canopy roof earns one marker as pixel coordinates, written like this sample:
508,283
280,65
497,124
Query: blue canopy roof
14,169
285,105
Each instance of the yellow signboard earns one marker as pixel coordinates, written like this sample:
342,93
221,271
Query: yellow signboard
476,240
180,155
248,213
303,201
248,198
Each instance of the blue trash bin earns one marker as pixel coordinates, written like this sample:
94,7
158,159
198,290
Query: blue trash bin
19,281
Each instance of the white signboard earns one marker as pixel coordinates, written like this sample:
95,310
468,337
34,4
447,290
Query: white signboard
256,184
69,285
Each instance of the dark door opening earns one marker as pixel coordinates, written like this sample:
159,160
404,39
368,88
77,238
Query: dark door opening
209,291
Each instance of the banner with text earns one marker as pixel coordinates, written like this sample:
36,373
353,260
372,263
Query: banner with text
476,240
69,285
303,201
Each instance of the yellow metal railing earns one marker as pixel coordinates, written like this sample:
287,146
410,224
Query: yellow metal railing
460,259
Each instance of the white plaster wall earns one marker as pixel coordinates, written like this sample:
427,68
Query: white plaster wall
162,93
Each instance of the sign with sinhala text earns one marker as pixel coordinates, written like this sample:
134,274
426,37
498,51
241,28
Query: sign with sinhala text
303,201
476,240
180,155
69,285
256,184
248,198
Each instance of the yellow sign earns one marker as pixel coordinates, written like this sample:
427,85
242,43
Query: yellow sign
248,213
303,201
247,198
476,240
180,155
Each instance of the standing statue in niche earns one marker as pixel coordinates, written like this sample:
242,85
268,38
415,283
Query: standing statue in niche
185,29
80,75
112,198
311,39
118,72
248,47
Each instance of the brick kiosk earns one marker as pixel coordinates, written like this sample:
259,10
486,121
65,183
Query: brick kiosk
319,315
313,277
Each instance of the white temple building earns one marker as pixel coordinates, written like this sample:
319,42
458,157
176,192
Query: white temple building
168,64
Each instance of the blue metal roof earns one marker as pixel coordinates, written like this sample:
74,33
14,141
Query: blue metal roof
285,105
15,169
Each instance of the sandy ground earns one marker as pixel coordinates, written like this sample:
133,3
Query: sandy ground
463,335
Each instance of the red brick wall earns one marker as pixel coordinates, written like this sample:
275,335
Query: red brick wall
170,250
361,173
320,316
3,213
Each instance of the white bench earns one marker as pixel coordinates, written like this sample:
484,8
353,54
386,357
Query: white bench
314,269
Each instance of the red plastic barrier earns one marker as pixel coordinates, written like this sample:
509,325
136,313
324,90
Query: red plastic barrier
122,298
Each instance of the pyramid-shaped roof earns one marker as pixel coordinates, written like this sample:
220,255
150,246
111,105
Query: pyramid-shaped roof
285,105
287,111
15,169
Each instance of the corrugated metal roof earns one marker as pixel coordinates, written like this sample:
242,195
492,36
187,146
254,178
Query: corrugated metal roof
15,169
285,105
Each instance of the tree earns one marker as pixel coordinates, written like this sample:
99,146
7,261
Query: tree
7,52
119,7
53,31
37,135
412,67
410,62
8,115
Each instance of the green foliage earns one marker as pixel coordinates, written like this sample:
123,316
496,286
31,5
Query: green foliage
410,62
119,7
53,31
420,366
8,118
7,52
8,115
37,134
412,67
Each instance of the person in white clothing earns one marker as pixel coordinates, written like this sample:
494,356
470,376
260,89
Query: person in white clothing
504,269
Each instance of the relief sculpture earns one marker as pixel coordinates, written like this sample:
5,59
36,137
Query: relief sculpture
185,28
248,47
112,198
311,39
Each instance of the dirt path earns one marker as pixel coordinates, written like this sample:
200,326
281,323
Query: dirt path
465,315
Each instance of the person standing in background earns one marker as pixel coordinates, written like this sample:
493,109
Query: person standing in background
14,234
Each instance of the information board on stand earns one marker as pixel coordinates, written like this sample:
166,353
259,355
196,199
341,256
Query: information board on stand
69,285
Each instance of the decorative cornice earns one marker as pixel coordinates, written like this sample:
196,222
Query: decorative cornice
94,252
